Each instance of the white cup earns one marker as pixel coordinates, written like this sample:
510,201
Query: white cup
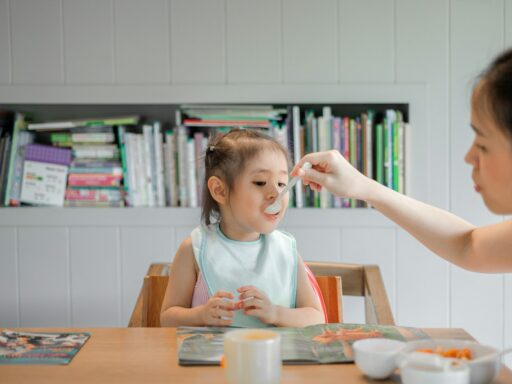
252,356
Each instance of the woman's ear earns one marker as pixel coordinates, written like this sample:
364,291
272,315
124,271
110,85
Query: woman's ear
218,190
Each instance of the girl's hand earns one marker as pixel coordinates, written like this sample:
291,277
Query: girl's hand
218,311
256,303
332,171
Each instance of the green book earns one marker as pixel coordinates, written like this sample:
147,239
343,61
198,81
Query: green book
353,151
122,149
396,148
379,153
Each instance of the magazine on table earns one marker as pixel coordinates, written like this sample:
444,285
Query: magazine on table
40,347
315,344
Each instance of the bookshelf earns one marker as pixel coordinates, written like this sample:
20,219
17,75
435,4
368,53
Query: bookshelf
165,115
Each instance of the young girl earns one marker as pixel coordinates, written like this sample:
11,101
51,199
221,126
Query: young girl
237,269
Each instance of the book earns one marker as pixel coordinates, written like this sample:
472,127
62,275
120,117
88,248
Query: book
40,348
44,175
314,344
90,122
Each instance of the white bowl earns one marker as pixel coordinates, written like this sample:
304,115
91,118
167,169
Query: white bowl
480,372
376,358
426,368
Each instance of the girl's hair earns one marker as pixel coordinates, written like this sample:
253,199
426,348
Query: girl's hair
496,90
226,157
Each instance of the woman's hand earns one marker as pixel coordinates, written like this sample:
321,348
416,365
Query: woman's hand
333,172
218,311
256,303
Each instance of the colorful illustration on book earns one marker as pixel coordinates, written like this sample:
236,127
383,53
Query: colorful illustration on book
316,344
39,348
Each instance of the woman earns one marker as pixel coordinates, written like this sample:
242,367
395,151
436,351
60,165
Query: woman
481,249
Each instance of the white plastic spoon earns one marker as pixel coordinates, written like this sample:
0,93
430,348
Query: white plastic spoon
491,356
276,205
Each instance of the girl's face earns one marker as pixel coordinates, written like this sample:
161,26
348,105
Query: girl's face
243,216
491,158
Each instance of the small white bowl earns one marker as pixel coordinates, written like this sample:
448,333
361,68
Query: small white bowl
376,358
426,368
480,372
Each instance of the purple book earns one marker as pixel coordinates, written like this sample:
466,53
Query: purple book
48,154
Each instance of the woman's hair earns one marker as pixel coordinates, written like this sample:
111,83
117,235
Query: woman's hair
226,157
496,90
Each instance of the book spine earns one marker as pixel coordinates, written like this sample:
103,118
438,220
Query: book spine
141,176
159,165
379,153
18,125
390,121
336,144
396,148
191,177
369,144
353,151
182,167
299,199
149,163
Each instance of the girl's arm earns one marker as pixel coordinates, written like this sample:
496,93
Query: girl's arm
176,309
485,249
308,309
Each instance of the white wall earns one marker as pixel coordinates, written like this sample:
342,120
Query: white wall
157,51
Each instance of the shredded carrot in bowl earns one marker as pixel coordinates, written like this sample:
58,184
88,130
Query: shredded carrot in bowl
455,353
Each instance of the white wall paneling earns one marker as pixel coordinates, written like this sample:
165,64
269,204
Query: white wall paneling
366,41
141,40
44,278
508,23
419,291
241,51
310,35
36,33
9,297
428,62
201,57
95,275
88,41
5,43
507,329
254,41
140,246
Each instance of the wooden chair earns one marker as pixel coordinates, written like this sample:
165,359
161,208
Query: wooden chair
333,279
364,281
146,312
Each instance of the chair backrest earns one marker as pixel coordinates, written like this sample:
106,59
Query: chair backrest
146,312
361,280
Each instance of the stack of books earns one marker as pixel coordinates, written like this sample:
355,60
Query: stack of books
95,176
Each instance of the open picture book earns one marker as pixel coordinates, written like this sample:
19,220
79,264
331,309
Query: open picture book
315,344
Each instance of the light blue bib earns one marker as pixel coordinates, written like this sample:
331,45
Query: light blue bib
269,263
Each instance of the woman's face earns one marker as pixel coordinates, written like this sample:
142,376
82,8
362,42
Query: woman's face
490,155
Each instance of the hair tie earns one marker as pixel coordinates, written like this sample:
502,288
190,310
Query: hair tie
211,148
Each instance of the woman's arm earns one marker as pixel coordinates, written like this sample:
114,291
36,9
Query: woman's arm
176,309
485,249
